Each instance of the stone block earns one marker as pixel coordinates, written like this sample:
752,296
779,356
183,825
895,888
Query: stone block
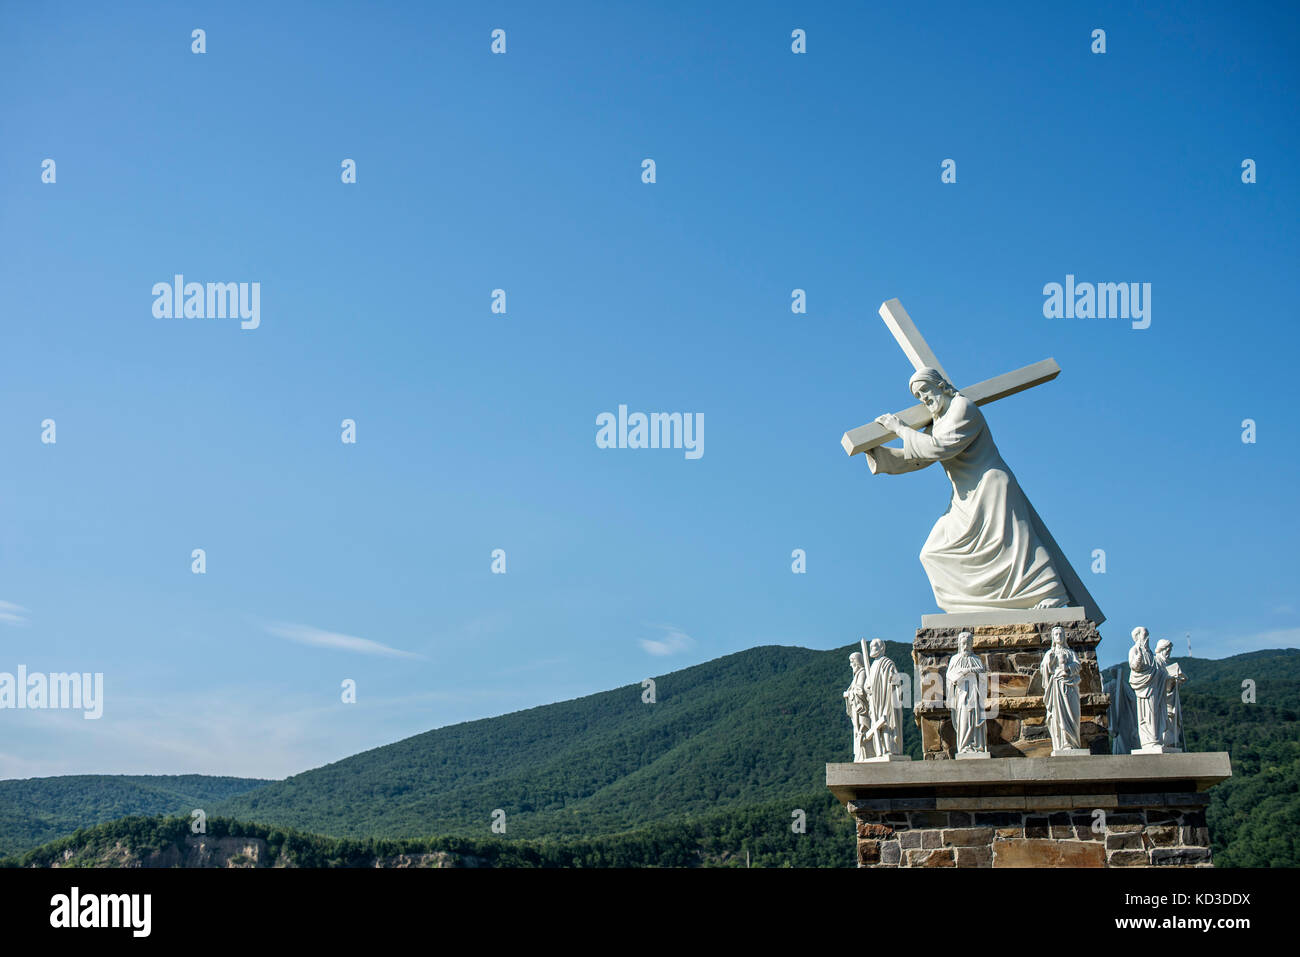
1125,842
998,818
876,831
913,804
1180,856
941,857
909,840
1009,683
868,852
974,857
1093,801
1002,730
1048,802
1034,853
929,819
1164,835
890,853
1128,859
870,804
968,837
931,839
1140,800
1062,827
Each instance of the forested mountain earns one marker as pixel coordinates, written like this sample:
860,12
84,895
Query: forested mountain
36,810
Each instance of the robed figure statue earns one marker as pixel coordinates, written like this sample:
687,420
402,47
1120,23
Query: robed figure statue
1060,670
1173,702
1147,677
857,705
886,703
966,679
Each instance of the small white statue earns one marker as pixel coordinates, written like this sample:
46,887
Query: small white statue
966,692
1147,677
886,730
1173,702
858,707
1060,668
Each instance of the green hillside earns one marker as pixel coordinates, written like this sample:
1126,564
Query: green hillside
749,728
36,810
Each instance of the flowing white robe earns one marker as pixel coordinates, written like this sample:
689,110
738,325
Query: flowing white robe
1148,677
886,702
966,702
1061,696
984,552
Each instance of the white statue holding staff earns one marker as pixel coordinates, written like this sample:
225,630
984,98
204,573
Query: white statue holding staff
966,692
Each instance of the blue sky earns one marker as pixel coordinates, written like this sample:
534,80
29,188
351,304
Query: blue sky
476,431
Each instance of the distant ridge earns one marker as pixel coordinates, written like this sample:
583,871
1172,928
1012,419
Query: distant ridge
36,810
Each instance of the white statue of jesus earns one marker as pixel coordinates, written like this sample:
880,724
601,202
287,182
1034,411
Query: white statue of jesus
985,551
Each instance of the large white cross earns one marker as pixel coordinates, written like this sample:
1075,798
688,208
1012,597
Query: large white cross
919,353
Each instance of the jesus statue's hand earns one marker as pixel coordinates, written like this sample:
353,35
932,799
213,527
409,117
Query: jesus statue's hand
890,421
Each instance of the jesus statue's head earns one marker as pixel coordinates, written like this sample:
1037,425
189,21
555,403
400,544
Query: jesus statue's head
930,386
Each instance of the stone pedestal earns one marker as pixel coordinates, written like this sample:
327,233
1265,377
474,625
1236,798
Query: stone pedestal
1012,653
1094,811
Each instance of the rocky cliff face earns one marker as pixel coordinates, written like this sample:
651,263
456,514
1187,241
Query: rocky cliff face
199,850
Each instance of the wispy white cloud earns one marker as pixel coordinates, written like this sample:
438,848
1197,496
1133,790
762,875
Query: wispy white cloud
319,638
11,614
673,641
